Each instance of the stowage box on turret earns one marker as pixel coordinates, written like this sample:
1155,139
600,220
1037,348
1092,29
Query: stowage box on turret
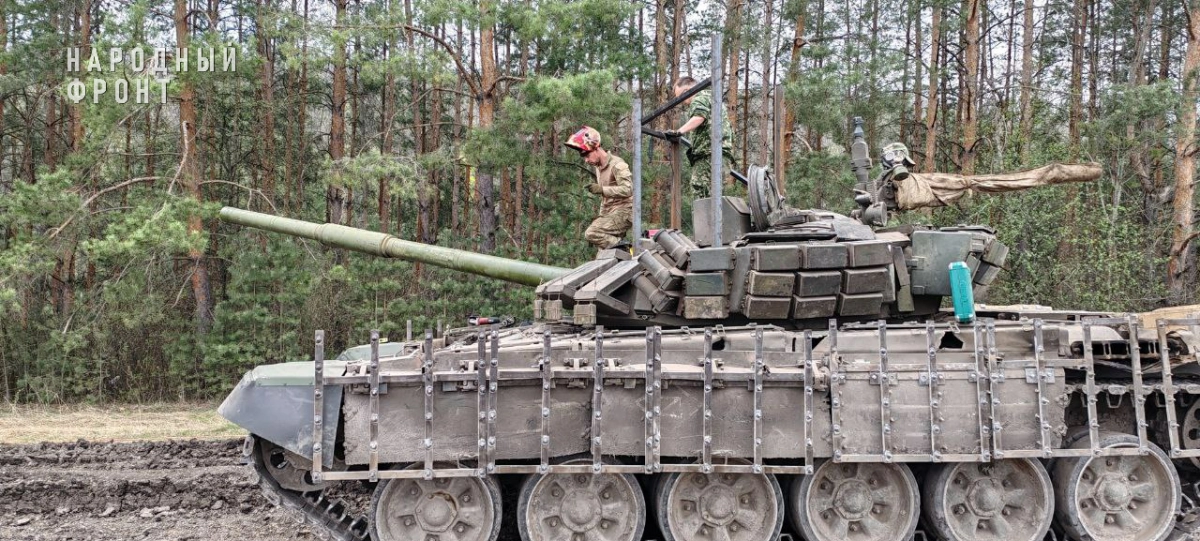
694,390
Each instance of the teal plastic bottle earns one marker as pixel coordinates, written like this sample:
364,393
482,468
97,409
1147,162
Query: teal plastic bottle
960,290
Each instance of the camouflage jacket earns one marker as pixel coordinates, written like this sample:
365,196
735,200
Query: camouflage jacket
701,137
616,182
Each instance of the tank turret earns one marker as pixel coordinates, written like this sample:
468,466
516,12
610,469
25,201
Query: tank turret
789,267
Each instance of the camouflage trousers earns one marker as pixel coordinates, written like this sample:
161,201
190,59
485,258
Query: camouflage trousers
701,179
609,229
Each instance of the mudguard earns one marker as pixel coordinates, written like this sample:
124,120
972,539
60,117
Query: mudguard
275,402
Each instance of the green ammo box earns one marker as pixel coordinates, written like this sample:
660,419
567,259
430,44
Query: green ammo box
710,259
767,307
775,257
822,255
705,307
865,280
706,284
771,284
867,304
818,283
868,253
814,307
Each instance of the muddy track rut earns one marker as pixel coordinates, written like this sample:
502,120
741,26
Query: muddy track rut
161,490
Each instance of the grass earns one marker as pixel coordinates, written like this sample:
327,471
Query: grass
119,422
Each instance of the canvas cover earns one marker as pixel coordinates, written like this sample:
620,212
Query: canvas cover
925,190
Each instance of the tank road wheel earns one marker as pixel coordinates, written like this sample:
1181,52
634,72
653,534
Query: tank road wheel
1126,498
720,506
1191,431
1003,500
866,501
444,509
289,470
581,507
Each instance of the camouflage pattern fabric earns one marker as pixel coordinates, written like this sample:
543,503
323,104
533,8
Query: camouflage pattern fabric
701,177
609,229
701,137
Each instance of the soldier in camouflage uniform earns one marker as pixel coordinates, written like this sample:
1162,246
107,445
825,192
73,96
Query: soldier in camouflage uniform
614,185
699,108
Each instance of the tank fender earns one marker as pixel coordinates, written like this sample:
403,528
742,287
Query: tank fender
275,402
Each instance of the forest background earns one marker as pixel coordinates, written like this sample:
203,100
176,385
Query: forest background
442,120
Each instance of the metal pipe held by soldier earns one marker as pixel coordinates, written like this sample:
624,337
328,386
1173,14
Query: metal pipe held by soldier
385,245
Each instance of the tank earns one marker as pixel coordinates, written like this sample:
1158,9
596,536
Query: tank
818,376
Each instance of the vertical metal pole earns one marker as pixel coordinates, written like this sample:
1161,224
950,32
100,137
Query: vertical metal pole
493,386
1139,398
481,379
706,451
885,394
318,405
1089,360
981,400
715,120
597,401
1168,385
808,402
1040,366
637,160
758,404
427,380
649,401
373,382
676,150
408,331
778,136
547,382
935,395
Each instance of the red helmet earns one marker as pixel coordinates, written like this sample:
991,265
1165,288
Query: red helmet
585,140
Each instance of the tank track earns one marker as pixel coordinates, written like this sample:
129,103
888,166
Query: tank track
328,518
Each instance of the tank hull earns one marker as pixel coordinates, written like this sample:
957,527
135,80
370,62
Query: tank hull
755,402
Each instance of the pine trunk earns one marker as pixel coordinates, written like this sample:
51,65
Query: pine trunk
662,86
931,110
1076,107
768,62
1137,77
733,51
1027,67
267,109
1178,266
918,80
970,122
793,78
189,174
678,34
487,114
335,195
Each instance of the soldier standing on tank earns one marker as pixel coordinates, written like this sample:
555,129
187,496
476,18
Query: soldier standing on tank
614,185
699,109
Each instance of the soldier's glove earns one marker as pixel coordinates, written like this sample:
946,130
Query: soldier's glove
672,135
595,188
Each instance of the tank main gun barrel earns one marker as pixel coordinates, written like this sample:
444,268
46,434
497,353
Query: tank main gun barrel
385,245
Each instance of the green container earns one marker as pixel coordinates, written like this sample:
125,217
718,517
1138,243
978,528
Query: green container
960,290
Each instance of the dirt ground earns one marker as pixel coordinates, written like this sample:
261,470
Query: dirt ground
166,490
164,472
194,489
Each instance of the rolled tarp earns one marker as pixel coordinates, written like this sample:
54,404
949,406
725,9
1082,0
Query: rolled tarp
926,190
